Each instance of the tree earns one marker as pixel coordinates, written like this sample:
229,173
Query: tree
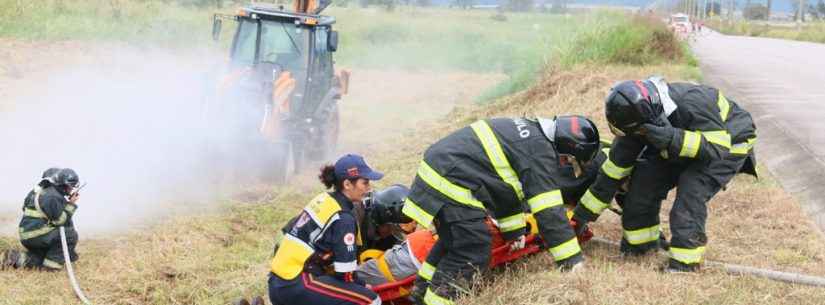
755,12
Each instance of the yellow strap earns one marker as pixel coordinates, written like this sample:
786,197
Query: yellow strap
512,223
566,249
614,171
454,192
545,200
497,157
718,137
412,210
642,236
687,256
690,144
724,106
593,204
384,268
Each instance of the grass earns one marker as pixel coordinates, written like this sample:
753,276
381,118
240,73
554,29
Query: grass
215,258
811,31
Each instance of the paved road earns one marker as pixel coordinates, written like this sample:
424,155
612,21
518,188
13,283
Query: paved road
783,84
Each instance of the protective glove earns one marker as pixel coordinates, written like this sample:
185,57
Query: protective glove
518,244
657,136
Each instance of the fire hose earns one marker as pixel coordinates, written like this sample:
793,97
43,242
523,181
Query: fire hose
69,268
780,276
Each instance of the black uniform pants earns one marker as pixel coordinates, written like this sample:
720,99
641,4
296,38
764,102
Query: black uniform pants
462,251
319,290
46,250
696,183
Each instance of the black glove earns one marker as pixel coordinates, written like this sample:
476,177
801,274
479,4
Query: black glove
657,136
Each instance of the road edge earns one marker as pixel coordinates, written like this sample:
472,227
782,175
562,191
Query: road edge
787,159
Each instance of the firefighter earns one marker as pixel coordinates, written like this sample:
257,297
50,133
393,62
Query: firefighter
669,135
495,165
51,204
384,226
325,234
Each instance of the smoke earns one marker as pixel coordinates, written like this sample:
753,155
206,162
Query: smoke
130,125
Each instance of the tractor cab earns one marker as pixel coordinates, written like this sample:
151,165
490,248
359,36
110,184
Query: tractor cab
280,86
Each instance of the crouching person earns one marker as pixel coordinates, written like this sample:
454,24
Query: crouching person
325,234
50,205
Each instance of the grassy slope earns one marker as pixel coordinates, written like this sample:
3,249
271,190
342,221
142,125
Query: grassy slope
812,31
212,259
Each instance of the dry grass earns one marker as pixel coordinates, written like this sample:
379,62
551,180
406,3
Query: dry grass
213,259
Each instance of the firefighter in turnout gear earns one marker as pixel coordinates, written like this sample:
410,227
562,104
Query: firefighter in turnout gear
51,204
495,166
325,236
669,135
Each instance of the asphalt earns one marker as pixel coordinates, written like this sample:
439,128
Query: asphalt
782,83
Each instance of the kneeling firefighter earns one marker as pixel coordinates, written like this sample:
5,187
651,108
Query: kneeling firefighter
495,165
51,204
325,234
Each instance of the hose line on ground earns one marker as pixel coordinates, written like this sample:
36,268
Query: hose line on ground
788,277
70,270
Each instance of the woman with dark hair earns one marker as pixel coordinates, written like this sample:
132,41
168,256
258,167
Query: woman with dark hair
325,234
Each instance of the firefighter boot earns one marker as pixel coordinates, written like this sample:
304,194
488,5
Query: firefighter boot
676,267
12,259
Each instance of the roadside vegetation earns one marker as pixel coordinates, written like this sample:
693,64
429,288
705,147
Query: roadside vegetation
810,31
555,65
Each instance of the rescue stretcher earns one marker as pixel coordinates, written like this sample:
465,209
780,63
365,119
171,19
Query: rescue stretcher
395,293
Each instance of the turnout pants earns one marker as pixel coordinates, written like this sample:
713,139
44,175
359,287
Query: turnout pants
696,183
46,251
319,290
462,251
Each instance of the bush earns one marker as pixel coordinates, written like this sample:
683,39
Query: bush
635,41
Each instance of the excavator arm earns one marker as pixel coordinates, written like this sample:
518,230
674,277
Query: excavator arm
313,7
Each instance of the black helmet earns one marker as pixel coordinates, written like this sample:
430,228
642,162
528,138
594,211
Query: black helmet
573,135
66,177
630,104
386,205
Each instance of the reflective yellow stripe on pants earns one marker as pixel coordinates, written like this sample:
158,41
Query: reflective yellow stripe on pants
642,236
593,204
35,233
687,256
496,155
566,249
430,298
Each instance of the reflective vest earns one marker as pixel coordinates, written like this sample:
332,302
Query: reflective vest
297,245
